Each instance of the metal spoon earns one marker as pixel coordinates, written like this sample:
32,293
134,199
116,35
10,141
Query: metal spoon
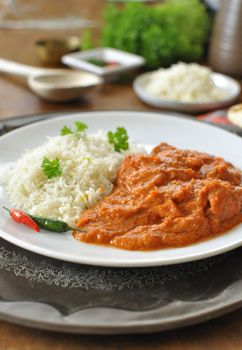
57,85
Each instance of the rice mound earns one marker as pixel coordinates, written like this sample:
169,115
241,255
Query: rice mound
185,83
89,167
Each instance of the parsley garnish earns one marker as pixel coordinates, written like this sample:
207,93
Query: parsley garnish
65,131
119,139
51,168
79,127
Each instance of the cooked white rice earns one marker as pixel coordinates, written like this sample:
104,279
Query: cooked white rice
89,167
186,83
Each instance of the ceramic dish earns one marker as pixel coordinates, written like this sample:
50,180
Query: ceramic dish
125,61
148,129
230,85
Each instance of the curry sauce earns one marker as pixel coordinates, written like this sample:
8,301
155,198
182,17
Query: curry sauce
170,198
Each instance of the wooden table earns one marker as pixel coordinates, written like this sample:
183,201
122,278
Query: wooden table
15,99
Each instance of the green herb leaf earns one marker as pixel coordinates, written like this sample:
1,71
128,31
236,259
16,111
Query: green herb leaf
51,168
79,127
66,131
96,62
119,139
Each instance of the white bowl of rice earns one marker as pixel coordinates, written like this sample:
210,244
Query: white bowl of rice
187,88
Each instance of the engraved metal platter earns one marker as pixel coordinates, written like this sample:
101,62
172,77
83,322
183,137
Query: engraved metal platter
46,293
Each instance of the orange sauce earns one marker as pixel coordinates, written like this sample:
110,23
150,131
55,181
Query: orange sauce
170,198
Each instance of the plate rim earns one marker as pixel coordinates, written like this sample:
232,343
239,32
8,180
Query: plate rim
128,262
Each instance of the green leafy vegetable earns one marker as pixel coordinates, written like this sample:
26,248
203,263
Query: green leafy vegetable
163,33
79,127
119,139
51,168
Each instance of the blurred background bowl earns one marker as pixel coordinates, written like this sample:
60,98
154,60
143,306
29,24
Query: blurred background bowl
50,51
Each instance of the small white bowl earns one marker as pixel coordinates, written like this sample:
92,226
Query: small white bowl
62,87
126,61
231,86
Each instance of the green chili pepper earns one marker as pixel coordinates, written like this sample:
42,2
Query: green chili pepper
51,224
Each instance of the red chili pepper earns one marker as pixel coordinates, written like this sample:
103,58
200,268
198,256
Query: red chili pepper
21,218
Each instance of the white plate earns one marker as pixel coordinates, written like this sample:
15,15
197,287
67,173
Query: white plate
146,128
231,86
127,61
